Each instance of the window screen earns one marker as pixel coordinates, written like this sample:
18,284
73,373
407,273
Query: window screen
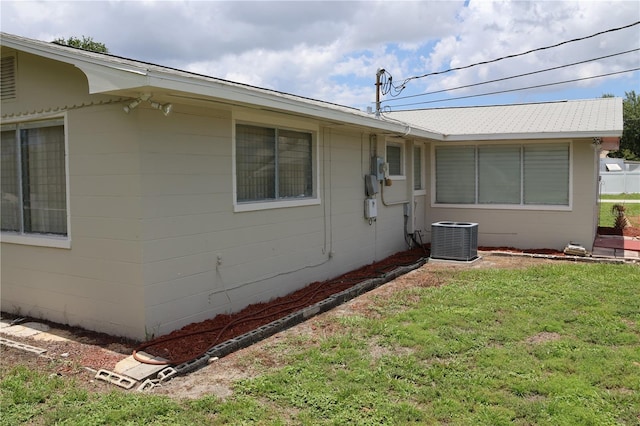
546,174
499,175
394,159
417,168
273,164
456,175
34,194
535,174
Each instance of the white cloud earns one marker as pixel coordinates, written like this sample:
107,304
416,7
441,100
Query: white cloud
331,49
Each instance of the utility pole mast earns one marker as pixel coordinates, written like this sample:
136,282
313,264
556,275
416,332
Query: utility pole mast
378,84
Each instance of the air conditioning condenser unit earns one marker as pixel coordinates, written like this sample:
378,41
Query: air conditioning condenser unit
454,241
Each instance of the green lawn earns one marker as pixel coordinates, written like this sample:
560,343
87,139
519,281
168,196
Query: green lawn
552,345
635,196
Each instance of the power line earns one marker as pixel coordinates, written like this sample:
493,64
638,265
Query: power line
512,77
523,53
519,89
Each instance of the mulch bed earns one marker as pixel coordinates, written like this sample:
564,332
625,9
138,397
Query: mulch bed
629,231
193,340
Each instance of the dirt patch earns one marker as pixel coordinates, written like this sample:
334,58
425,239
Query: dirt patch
543,337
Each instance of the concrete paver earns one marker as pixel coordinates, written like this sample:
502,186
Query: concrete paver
132,368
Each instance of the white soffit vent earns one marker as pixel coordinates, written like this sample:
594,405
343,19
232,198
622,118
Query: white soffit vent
8,78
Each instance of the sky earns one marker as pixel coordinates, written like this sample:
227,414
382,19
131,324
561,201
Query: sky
333,50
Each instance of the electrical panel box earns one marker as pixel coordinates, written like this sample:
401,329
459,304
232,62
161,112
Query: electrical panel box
370,208
377,168
371,185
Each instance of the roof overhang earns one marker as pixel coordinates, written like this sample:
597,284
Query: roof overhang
531,136
111,75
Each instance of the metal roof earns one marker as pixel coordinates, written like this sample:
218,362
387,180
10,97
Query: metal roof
579,118
112,74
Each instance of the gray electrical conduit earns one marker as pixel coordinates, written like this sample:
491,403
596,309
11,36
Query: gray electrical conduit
393,203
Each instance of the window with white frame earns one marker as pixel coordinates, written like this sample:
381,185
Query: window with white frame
395,158
525,175
34,194
417,168
273,164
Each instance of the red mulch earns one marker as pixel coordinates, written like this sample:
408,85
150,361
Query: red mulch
193,340
629,231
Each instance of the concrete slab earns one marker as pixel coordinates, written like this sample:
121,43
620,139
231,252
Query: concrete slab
27,329
456,262
603,252
137,370
22,346
48,337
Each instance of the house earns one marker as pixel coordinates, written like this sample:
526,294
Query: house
137,198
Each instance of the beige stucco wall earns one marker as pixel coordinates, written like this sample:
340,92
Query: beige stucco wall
96,283
157,244
538,228
202,258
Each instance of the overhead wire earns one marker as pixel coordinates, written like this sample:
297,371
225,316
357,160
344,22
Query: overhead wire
512,77
519,89
523,53
387,87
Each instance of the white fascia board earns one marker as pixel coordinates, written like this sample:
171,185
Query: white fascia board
102,75
103,79
108,75
521,136
231,93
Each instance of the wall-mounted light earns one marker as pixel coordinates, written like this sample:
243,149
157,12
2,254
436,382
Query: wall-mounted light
166,108
597,143
132,105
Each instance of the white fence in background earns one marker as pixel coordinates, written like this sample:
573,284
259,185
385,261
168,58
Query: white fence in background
619,177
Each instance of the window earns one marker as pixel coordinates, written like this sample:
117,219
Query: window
536,174
273,164
546,174
395,159
499,174
417,168
34,196
455,175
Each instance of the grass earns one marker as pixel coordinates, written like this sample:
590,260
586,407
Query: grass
552,345
634,196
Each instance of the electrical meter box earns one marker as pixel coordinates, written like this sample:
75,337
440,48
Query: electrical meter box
371,185
370,208
377,167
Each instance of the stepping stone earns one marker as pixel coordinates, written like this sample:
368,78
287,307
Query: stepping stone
137,370
27,329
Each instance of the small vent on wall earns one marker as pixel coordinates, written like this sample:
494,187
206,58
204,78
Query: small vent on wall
8,78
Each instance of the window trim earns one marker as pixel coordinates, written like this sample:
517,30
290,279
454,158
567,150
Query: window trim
276,122
403,157
522,206
45,240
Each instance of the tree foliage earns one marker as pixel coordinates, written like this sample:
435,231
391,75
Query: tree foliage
86,43
630,141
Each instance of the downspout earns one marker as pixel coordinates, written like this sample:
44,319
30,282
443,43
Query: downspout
597,149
